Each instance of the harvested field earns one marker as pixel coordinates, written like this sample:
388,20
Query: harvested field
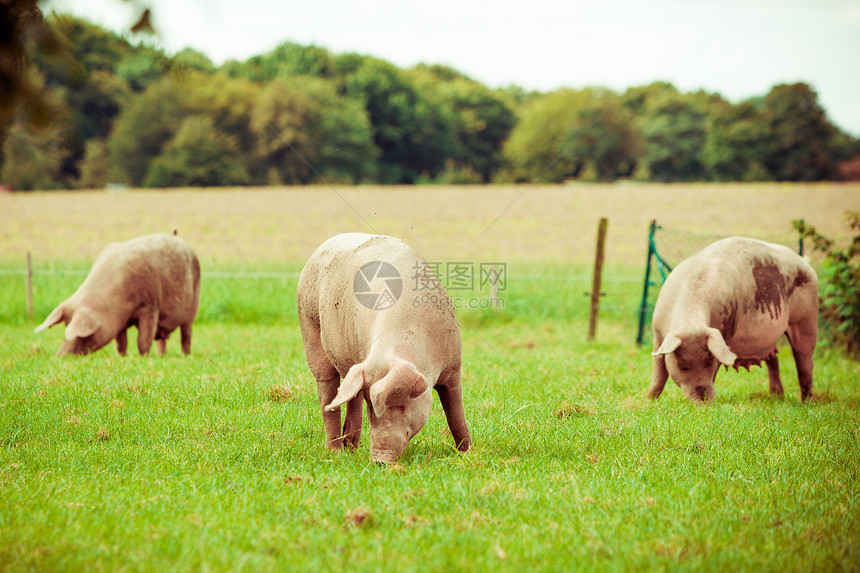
267,227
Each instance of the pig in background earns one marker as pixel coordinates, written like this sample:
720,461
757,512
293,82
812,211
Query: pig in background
152,282
390,351
729,304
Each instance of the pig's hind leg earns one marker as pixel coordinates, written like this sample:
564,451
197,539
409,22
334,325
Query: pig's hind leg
147,326
328,380
802,338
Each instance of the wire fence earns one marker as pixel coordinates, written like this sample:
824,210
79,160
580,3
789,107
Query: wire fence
668,247
295,275
617,291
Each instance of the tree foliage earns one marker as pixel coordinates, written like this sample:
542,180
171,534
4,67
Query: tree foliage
562,134
738,143
142,129
197,156
32,157
94,167
306,132
481,121
801,134
674,130
301,114
412,134
839,285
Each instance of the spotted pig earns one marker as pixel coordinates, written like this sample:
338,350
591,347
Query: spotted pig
729,304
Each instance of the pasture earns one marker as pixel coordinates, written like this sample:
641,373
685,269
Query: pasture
215,461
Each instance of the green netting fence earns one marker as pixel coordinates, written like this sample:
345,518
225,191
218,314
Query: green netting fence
667,248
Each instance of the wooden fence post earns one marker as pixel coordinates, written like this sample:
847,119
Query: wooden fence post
598,272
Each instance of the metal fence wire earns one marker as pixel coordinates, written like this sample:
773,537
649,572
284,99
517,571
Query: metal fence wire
668,247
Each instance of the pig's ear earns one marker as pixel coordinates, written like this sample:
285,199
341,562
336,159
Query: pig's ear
349,388
718,347
397,388
57,316
84,323
670,344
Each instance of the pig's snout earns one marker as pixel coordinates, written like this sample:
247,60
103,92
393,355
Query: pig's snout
387,449
386,456
700,392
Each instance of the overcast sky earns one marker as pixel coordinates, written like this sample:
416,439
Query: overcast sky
739,48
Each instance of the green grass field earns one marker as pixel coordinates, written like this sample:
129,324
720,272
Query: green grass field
215,461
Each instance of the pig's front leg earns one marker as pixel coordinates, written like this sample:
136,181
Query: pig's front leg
450,392
327,379
773,379
659,375
352,421
121,342
147,325
185,337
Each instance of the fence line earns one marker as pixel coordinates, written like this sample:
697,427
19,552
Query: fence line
294,275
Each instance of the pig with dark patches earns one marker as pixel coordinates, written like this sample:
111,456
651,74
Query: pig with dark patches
728,305
152,282
361,322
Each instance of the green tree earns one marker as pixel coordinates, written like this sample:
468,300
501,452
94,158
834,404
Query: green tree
142,129
738,143
802,136
306,132
197,156
191,59
564,132
482,120
413,134
81,81
674,130
534,149
94,167
32,157
100,101
143,67
230,103
287,60
85,48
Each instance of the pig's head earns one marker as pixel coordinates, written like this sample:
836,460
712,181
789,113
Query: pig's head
398,406
693,358
84,330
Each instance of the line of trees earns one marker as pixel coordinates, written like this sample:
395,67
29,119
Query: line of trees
129,114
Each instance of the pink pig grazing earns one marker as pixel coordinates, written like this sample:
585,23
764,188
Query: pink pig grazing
152,282
358,323
729,304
